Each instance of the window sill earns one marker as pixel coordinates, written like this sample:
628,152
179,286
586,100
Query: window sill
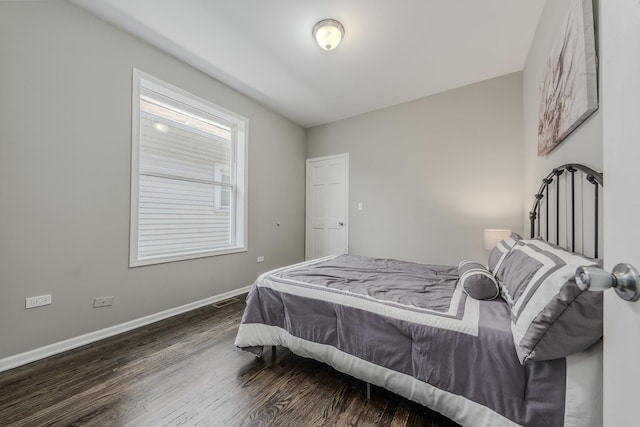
184,257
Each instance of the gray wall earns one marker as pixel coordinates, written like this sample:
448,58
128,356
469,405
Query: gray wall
65,142
432,173
584,145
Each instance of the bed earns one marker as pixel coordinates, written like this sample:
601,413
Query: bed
530,357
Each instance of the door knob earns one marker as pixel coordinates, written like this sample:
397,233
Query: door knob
624,279
341,223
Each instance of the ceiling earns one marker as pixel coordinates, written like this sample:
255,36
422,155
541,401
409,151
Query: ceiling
393,50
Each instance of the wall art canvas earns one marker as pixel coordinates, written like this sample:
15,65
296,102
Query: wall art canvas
569,89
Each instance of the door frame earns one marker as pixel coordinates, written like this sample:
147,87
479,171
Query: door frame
345,156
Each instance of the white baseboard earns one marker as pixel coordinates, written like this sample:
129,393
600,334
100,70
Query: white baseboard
71,343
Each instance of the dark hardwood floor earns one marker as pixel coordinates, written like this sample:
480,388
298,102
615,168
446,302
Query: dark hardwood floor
186,371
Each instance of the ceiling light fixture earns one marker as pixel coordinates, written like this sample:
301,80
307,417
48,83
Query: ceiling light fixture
328,33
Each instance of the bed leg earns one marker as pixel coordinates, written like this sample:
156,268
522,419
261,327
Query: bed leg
273,352
368,391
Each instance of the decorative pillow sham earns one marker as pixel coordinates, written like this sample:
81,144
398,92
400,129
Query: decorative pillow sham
551,317
477,281
500,251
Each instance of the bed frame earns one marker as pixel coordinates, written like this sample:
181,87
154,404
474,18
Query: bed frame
566,211
561,227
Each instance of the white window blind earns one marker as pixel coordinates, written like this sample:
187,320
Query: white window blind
190,176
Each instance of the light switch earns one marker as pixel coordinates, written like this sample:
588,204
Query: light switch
360,206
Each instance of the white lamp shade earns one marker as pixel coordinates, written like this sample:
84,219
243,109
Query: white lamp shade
493,236
328,33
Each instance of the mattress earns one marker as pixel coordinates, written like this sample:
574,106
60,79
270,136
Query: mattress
411,329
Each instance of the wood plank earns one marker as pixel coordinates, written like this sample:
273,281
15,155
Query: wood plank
185,370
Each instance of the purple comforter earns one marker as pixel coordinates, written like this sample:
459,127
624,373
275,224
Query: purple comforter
409,328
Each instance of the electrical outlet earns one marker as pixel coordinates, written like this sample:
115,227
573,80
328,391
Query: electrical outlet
38,301
102,302
260,259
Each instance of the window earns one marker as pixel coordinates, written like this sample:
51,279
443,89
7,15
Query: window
188,180
222,197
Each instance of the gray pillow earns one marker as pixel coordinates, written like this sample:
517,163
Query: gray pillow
500,251
551,317
477,281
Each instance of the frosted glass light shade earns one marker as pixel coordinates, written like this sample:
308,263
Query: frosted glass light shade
328,33
493,236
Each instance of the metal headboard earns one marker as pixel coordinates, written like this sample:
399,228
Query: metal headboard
543,199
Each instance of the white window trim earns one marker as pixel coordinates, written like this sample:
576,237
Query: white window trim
242,146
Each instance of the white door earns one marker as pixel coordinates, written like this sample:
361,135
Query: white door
327,206
620,56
